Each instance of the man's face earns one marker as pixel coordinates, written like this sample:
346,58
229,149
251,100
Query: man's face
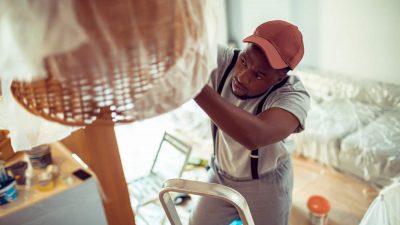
253,74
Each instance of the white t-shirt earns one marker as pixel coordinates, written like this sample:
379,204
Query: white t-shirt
232,158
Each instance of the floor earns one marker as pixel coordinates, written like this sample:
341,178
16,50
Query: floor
349,197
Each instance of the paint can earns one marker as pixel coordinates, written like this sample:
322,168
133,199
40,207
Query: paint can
8,191
40,156
319,208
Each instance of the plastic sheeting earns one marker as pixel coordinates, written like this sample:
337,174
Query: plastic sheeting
354,126
33,30
26,129
384,210
324,85
373,152
194,126
327,124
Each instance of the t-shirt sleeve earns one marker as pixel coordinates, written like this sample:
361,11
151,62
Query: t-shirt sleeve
295,100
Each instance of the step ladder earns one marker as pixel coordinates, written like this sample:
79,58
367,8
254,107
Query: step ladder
203,189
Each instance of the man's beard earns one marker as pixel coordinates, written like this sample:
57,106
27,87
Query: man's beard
245,97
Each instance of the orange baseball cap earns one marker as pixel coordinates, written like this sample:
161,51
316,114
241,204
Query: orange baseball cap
281,42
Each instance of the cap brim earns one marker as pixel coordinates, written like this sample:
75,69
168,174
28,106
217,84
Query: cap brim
269,50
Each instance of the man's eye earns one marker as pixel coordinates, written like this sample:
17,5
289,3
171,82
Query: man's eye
258,77
243,62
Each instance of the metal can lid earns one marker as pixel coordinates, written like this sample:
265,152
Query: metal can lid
318,205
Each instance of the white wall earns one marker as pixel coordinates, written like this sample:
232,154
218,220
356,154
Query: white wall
222,34
245,15
359,38
274,9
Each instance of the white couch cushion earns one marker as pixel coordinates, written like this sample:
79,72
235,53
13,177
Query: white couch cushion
373,152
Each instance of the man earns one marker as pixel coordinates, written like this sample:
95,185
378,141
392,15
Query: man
255,105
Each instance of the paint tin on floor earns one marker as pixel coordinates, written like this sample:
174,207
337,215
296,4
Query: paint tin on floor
317,219
319,208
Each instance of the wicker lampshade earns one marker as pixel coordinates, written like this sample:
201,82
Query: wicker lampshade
133,46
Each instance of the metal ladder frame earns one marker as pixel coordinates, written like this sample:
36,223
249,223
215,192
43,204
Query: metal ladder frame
203,189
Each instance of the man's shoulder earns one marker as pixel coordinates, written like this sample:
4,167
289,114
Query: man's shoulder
293,90
225,55
293,84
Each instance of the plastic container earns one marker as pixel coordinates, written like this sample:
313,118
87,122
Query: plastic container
18,171
40,156
8,191
319,208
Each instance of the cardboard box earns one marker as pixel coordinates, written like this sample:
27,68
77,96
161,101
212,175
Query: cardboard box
6,151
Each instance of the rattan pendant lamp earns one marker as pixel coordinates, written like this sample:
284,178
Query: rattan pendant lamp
135,48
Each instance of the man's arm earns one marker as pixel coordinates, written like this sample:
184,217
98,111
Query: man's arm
250,130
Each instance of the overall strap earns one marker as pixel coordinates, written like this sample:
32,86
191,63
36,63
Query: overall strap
219,90
254,153
227,71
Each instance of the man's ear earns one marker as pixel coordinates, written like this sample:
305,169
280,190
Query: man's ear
281,78
282,75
